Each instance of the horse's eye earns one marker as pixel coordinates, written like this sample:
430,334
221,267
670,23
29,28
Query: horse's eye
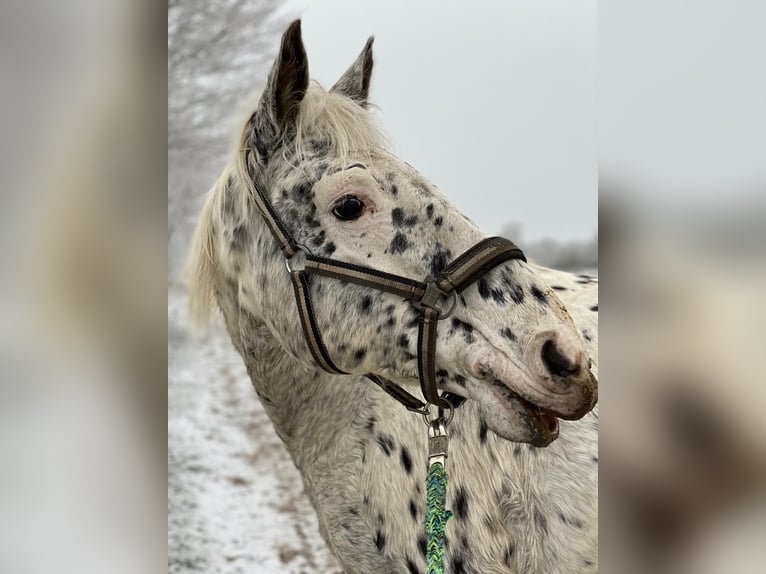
348,208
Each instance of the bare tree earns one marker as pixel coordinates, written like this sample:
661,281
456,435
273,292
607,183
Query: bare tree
219,52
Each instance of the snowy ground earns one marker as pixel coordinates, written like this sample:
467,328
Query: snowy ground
235,501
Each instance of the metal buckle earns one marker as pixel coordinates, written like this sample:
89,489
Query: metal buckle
432,296
438,443
299,257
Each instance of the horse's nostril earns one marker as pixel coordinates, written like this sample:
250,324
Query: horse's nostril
557,363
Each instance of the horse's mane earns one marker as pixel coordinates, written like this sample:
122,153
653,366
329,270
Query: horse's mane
332,118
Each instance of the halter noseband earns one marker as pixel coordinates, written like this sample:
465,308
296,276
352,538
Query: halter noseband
459,274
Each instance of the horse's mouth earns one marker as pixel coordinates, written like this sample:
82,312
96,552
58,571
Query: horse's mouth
543,424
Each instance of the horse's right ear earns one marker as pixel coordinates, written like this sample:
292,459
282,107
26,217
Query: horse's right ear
285,89
355,82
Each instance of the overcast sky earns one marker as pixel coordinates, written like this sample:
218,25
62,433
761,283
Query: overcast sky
682,99
494,101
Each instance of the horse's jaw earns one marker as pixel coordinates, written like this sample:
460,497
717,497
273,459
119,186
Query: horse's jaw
512,417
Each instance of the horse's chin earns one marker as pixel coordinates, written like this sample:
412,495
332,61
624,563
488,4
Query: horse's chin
513,418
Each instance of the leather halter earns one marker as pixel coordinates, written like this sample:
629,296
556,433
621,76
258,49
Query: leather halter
425,295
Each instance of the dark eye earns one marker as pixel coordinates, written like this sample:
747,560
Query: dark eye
348,208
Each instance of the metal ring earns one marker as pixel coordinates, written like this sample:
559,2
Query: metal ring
453,297
447,421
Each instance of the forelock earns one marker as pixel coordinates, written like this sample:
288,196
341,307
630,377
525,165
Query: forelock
338,122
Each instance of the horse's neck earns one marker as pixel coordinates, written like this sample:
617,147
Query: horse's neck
303,402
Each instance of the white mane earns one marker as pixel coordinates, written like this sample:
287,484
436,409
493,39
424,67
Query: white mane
344,125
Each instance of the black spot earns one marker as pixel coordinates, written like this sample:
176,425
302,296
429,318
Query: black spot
517,294
508,334
354,511
386,443
406,460
399,244
483,428
517,450
399,220
303,192
594,459
369,255
404,341
586,336
413,509
380,540
312,221
508,554
371,423
329,249
438,221
319,238
422,541
540,520
365,305
461,503
458,564
484,288
360,354
411,567
394,190
459,380
575,522
440,260
539,295
594,308
238,238
558,288
429,210
465,328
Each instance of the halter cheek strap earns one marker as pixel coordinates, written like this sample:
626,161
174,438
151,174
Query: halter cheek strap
424,295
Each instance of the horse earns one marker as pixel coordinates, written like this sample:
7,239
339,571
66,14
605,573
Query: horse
519,346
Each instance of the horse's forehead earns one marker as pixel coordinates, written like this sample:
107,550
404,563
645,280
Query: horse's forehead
386,168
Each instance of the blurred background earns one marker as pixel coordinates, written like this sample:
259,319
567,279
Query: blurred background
682,205
648,114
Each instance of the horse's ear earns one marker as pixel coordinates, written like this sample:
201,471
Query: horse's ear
285,88
355,82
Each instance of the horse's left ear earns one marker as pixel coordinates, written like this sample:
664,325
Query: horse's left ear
285,89
355,82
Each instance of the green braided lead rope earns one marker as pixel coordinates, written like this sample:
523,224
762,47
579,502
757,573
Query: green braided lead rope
436,517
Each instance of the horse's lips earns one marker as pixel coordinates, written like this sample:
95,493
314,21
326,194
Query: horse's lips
543,424
544,421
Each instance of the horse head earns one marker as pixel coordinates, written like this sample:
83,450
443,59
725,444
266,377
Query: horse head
325,168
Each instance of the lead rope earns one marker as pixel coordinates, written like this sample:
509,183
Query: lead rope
437,514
